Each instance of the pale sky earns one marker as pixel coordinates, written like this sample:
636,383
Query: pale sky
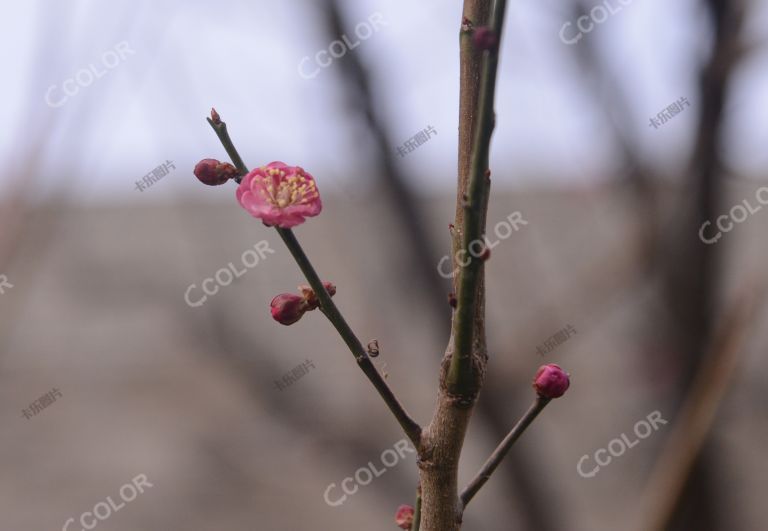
180,58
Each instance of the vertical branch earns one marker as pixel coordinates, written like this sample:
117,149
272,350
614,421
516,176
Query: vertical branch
476,123
463,365
672,470
417,511
392,178
463,377
692,278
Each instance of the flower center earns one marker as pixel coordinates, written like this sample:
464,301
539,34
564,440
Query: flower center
282,191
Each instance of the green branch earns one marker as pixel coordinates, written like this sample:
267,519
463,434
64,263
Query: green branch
460,378
416,524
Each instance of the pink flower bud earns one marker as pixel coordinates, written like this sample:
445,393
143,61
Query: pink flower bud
551,381
215,118
288,308
484,38
404,517
311,298
213,172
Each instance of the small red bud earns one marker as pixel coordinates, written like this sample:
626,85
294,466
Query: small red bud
213,172
466,24
484,38
551,381
288,308
404,517
485,255
215,118
452,300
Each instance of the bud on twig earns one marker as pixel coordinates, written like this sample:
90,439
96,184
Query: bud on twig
484,38
215,118
551,381
213,172
288,308
311,297
404,517
373,348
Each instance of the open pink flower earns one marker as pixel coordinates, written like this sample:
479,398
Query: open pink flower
279,194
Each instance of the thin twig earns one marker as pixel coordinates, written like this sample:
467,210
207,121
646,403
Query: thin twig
220,128
501,451
328,307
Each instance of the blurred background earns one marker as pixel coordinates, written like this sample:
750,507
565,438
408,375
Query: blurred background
622,127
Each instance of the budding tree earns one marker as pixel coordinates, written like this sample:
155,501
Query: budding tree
284,196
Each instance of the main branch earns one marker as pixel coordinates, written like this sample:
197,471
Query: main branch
463,365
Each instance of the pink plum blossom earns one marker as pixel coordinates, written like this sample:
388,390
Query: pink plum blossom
279,195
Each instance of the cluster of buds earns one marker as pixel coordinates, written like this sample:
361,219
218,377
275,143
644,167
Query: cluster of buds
287,308
214,172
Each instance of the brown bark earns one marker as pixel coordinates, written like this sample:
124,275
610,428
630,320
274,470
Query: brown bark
442,440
